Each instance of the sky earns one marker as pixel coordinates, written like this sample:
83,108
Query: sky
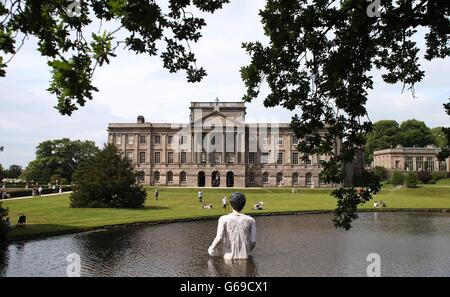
133,85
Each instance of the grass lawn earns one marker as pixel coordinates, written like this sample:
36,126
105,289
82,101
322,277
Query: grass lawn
52,215
443,182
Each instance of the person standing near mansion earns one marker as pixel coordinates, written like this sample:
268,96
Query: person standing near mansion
200,196
40,191
156,194
236,232
224,202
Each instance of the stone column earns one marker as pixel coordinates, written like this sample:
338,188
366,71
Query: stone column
208,178
164,149
136,149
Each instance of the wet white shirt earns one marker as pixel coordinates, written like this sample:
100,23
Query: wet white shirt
236,232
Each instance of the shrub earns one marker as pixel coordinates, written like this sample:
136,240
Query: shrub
431,182
3,227
424,176
411,180
381,172
107,180
436,175
397,178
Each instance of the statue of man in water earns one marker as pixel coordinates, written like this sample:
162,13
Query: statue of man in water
236,231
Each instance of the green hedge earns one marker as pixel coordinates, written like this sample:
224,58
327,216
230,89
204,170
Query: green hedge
28,192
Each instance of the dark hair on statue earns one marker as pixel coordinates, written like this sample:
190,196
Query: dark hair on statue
237,201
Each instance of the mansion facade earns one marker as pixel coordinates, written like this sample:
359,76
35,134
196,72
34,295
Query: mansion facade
410,159
217,148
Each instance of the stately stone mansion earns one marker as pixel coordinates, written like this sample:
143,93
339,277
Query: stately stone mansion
410,159
217,148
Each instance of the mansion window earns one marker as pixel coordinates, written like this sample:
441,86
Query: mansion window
295,178
265,158
183,157
308,161
218,158
157,157
169,139
280,159
130,156
230,158
308,179
142,157
295,158
183,177
265,177
182,139
294,140
443,166
170,157
203,158
280,140
142,140
322,162
265,139
251,158
157,176
118,140
130,140
279,178
419,163
429,165
409,165
251,177
169,177
157,139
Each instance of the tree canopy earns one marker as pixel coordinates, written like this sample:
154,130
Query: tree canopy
388,133
439,136
58,158
319,61
14,171
74,50
107,179
384,135
415,133
445,150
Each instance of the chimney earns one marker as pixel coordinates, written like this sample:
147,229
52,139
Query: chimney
140,120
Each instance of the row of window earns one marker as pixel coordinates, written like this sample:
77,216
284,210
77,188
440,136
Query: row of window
143,139
157,176
265,140
295,159
251,178
280,178
423,163
218,158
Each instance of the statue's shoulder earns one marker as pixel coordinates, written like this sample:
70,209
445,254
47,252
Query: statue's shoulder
224,218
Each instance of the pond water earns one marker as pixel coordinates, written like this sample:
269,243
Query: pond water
409,244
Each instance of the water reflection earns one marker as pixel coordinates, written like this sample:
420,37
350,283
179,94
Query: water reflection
229,268
4,258
410,244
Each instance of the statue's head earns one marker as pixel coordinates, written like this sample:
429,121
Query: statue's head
237,201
